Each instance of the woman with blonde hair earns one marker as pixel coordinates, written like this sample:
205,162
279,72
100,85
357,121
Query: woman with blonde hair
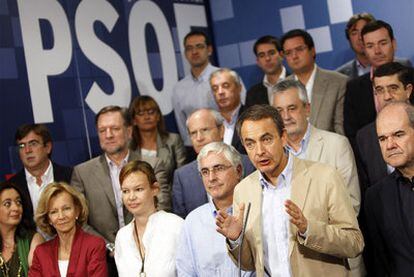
17,233
62,211
147,245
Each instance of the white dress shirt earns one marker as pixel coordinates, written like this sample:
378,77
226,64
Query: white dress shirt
309,84
275,224
160,241
270,87
36,190
230,126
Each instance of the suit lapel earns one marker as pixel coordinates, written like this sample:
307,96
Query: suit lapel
102,177
318,93
315,146
300,185
75,252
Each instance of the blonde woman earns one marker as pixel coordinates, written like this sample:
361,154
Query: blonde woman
62,211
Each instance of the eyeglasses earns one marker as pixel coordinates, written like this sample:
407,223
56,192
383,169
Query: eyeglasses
298,49
202,132
217,169
151,111
199,46
31,144
391,89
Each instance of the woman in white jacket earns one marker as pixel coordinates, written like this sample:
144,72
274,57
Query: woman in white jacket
147,245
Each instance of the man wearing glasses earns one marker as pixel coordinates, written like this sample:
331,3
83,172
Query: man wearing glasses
193,91
204,126
325,88
34,144
221,168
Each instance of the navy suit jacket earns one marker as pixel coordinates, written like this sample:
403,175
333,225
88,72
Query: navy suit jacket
60,174
188,188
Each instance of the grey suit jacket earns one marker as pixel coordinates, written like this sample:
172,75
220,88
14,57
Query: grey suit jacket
92,178
327,101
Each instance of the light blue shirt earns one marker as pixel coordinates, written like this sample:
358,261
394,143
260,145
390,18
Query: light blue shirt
301,153
275,224
202,250
190,94
114,171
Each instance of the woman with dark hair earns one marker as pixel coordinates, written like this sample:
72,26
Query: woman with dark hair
147,245
62,211
17,231
149,136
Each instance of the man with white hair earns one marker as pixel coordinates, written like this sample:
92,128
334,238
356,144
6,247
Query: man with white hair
202,251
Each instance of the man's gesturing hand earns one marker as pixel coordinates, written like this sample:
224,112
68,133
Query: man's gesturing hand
296,216
228,225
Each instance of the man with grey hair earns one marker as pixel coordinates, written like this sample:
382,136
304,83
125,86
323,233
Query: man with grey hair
201,250
389,205
226,87
204,126
308,142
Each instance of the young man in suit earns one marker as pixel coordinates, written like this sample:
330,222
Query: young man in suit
301,219
325,88
389,204
269,58
35,148
204,126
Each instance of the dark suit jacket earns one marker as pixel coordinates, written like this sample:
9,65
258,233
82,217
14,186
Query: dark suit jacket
235,141
87,257
359,106
257,95
60,174
350,68
188,188
371,165
389,233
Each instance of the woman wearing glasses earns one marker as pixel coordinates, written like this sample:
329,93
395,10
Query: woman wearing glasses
150,137
147,245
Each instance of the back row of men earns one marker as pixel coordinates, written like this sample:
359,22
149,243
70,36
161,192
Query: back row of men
310,102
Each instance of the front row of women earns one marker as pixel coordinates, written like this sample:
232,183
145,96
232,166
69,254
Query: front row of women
146,246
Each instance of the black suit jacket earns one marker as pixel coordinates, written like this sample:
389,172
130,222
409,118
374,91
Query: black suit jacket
359,106
60,174
235,141
389,234
257,95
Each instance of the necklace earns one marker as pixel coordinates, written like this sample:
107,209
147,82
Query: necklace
141,254
5,270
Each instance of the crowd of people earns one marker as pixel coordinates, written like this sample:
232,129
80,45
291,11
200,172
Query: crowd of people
308,173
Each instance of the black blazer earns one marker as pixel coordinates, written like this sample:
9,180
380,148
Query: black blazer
257,95
359,107
60,174
235,141
371,165
389,234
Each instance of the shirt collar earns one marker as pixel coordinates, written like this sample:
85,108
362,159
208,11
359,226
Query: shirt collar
281,77
303,143
112,164
213,209
286,175
45,176
234,116
311,78
204,75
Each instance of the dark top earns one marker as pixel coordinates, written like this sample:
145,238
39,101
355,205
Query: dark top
389,208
